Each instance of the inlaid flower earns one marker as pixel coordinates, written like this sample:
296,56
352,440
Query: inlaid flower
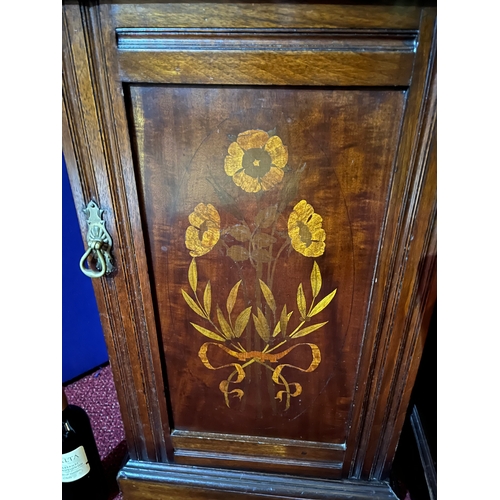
256,161
306,231
204,231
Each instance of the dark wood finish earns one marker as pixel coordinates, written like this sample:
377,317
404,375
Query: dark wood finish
148,481
153,95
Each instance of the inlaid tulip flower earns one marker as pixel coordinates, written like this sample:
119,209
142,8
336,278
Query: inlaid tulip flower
256,161
306,231
204,231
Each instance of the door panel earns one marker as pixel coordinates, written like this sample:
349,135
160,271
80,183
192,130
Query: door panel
285,234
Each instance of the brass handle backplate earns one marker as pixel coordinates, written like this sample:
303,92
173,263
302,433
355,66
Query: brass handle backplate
99,244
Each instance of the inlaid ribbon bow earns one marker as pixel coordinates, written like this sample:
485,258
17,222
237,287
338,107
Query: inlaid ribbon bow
249,357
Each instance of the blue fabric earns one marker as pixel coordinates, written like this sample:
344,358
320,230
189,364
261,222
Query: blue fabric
83,345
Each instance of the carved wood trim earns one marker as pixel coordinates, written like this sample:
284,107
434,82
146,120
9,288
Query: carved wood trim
300,40
331,469
373,48
310,454
138,479
416,324
181,436
376,404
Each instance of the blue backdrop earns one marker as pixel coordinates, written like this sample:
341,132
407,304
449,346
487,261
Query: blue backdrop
83,346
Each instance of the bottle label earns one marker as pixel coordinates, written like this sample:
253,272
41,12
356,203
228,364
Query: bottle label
75,465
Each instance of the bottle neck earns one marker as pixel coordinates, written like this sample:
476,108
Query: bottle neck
66,428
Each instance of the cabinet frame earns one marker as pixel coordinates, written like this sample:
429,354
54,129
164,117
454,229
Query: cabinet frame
98,154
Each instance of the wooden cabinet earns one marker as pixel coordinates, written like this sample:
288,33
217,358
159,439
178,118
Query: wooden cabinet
267,173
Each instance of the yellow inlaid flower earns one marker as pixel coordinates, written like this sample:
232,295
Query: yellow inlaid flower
306,231
204,231
256,161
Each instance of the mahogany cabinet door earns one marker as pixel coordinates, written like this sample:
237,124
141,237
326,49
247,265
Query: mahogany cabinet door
267,174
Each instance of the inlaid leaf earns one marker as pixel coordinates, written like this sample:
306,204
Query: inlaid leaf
268,295
261,255
238,253
315,279
277,329
263,240
231,298
282,324
193,275
240,232
284,318
309,329
261,325
207,298
193,305
224,325
242,321
301,302
266,217
322,303
208,333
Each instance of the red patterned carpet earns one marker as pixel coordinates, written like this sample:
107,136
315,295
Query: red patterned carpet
96,394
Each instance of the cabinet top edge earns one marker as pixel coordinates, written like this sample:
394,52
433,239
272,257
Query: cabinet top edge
403,14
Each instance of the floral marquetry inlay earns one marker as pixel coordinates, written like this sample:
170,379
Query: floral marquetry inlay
204,231
256,162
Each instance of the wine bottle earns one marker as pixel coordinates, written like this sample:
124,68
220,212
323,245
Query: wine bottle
83,476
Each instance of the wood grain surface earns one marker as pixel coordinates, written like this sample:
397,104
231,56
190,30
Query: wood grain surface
340,166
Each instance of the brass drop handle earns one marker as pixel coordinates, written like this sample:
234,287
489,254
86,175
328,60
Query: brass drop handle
99,244
101,263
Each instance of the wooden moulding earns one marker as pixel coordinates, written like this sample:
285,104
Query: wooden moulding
326,469
284,448
326,45
143,481
278,455
243,56
275,39
404,297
